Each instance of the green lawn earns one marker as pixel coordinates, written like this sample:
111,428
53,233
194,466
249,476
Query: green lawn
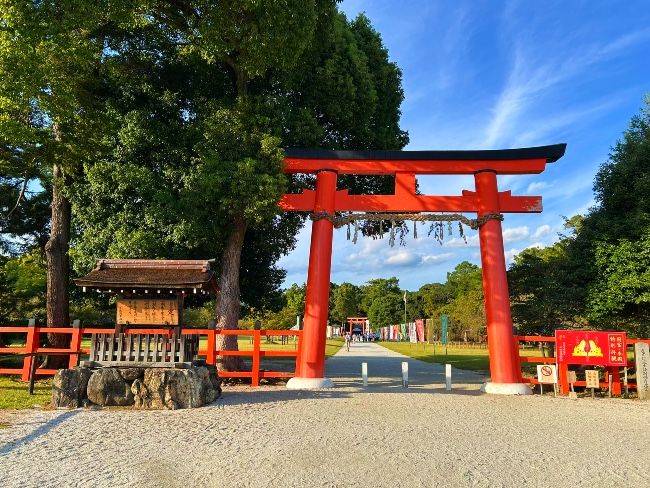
14,396
332,346
459,357
473,359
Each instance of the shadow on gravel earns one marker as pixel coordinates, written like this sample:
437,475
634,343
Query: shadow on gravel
43,429
345,388
384,377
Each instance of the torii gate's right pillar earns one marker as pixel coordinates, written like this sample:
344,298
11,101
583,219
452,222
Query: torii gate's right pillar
504,367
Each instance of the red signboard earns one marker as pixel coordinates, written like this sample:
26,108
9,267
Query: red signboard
591,348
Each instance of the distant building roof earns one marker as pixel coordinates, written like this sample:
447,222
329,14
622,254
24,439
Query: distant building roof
150,275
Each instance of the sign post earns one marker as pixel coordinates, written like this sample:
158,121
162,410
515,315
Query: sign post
546,374
591,376
571,378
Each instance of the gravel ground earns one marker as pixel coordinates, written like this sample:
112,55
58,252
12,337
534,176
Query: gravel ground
382,435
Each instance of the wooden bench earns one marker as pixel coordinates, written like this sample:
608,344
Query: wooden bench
148,350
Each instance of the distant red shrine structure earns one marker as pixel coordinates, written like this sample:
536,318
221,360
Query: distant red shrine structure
357,324
405,166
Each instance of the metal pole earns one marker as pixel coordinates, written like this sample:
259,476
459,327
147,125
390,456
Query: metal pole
32,373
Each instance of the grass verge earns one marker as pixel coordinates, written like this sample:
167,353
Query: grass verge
14,396
459,357
472,359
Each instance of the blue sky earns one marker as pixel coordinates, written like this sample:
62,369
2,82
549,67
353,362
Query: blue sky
496,75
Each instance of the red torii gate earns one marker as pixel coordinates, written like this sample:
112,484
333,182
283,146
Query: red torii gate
405,165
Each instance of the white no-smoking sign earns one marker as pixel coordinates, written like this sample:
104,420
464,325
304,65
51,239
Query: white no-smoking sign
546,373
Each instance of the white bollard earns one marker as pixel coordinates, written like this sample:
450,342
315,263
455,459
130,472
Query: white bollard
448,376
405,374
364,373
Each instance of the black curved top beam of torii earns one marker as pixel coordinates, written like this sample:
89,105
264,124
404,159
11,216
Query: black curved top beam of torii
405,165
505,161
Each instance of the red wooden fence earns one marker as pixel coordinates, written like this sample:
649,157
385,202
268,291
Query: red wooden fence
32,348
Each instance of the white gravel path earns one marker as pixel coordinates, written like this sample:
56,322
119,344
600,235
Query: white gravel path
379,436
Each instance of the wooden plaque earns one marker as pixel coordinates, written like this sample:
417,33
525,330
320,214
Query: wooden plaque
145,311
592,379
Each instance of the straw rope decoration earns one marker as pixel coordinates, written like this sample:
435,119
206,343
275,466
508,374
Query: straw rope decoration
436,228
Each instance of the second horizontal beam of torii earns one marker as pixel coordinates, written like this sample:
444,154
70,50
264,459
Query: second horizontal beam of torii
468,202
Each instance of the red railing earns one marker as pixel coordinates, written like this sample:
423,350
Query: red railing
32,348
562,369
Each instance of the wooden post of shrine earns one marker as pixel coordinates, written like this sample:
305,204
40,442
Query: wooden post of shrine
310,370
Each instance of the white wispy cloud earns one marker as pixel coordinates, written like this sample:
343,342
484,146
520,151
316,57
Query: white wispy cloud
536,76
543,231
472,241
437,258
537,186
515,234
403,257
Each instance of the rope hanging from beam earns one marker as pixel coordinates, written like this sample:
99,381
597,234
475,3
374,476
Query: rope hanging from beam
436,227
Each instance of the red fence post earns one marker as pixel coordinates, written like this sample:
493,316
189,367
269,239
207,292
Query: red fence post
563,368
616,379
31,345
75,344
518,358
212,336
257,346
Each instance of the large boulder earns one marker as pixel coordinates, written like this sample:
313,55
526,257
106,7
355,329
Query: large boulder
107,388
69,387
177,388
130,374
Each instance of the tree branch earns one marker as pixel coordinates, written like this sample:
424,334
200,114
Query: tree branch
20,196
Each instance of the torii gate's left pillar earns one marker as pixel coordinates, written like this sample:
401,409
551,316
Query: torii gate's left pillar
310,369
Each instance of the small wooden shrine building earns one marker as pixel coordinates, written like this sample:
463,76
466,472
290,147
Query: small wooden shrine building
150,292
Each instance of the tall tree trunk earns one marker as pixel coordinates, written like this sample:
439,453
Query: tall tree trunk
56,252
227,307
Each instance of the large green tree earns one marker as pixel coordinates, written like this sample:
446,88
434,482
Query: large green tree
195,166
383,301
615,233
49,121
546,292
434,296
345,303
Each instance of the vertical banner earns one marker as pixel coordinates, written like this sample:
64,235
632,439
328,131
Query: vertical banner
444,321
419,324
413,337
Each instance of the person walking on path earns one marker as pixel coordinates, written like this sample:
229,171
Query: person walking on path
347,341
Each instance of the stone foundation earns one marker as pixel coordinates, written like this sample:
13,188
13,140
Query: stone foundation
137,387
